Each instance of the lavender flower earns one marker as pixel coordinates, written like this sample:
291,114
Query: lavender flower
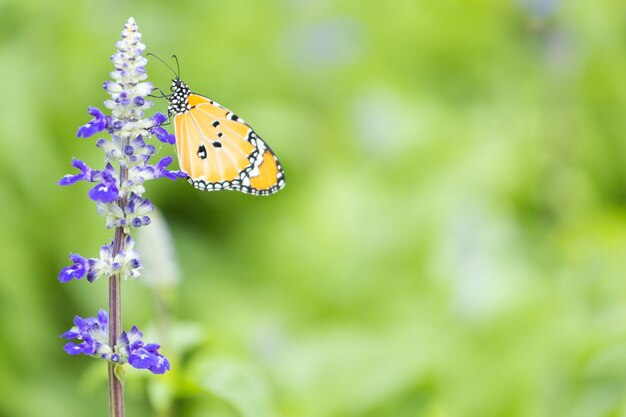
86,174
106,191
163,135
92,336
91,333
95,125
118,194
142,355
79,269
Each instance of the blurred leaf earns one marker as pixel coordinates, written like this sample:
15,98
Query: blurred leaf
120,372
238,384
160,394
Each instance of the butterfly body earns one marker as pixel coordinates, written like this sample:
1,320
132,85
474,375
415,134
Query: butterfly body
217,149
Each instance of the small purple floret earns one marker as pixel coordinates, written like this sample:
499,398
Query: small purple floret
106,191
90,331
159,118
163,135
78,270
95,125
148,357
86,174
160,171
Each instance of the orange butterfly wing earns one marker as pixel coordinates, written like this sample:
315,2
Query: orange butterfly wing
219,151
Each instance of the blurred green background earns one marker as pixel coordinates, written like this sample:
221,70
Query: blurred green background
451,240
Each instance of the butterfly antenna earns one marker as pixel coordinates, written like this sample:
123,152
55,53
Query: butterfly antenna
166,64
177,66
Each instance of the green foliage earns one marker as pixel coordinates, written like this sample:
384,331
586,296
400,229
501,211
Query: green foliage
450,242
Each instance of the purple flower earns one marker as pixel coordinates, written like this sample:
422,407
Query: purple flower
159,118
86,174
143,355
92,336
95,125
117,125
138,150
137,210
92,332
159,132
149,358
160,171
163,135
123,98
78,270
106,191
118,192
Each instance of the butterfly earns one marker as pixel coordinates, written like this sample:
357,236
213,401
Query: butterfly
217,149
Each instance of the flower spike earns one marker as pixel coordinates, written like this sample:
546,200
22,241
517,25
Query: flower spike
117,191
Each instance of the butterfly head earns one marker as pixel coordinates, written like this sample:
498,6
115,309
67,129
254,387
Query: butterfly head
176,84
178,98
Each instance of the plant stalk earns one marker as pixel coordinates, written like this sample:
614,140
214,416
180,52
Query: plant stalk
116,389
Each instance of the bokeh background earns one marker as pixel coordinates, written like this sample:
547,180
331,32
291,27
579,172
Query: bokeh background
451,240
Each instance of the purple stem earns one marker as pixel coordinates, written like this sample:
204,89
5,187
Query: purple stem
116,389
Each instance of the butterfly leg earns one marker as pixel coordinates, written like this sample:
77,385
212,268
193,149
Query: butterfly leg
169,120
163,95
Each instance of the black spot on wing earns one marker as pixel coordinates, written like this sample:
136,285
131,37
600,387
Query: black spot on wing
202,152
